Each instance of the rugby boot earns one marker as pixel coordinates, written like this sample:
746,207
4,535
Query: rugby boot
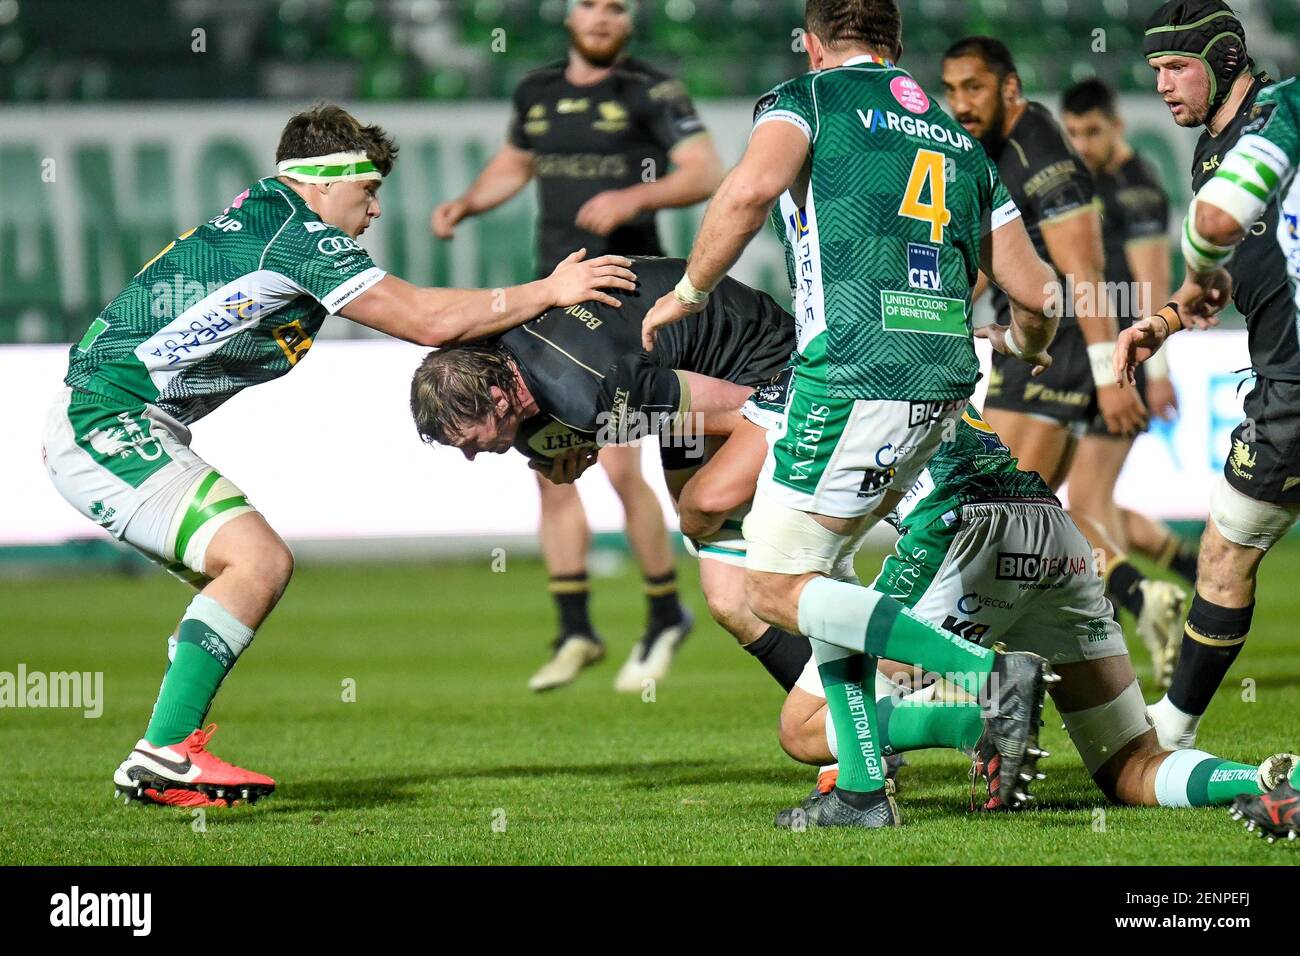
187,765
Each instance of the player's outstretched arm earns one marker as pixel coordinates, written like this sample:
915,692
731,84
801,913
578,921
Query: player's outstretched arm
772,161
438,317
508,172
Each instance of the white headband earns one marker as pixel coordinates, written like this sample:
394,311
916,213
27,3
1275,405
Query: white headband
332,168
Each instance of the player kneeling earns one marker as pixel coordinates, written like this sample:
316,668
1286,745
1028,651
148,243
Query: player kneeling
988,552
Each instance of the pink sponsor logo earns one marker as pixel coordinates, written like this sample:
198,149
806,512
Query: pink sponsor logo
239,200
909,94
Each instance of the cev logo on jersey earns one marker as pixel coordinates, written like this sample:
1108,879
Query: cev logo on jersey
225,223
923,267
333,245
909,94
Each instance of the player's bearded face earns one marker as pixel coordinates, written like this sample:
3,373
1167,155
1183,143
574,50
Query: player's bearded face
347,205
599,30
1184,84
975,98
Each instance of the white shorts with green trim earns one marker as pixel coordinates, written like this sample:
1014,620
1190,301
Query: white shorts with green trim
840,456
131,471
1018,573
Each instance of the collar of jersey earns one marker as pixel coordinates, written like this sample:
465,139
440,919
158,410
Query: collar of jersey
864,58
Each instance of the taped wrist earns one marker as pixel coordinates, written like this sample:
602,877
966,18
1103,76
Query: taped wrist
1101,356
687,294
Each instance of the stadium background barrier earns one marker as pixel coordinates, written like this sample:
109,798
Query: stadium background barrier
92,192
329,464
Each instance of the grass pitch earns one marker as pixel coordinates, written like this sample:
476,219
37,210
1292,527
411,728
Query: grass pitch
446,757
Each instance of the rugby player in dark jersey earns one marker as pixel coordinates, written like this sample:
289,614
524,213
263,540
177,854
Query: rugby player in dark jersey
1135,223
610,140
1055,194
577,379
1043,418
1203,72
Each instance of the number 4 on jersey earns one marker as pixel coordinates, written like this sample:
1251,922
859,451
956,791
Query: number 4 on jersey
928,167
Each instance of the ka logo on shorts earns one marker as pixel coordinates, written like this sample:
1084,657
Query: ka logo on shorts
875,481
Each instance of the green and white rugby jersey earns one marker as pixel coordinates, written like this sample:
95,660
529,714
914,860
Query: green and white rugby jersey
971,466
1261,169
885,240
229,304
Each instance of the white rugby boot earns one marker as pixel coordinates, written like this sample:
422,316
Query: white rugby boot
573,652
1160,625
652,656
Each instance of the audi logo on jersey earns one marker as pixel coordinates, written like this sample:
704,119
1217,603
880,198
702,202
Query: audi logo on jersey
333,245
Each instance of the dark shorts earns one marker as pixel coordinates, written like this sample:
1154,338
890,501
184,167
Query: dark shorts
1264,461
1065,393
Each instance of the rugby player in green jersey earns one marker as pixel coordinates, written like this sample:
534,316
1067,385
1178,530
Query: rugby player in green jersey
268,269
988,553
1255,182
891,210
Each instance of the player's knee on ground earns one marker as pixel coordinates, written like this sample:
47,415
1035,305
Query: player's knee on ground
802,729
1128,778
1108,735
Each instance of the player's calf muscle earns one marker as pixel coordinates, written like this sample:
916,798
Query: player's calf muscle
1225,571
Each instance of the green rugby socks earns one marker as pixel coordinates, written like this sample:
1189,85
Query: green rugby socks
866,621
1194,778
848,680
208,642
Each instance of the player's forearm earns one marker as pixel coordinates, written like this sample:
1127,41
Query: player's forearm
500,180
1034,331
708,498
693,180
454,316
703,395
698,523
735,215
1148,261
